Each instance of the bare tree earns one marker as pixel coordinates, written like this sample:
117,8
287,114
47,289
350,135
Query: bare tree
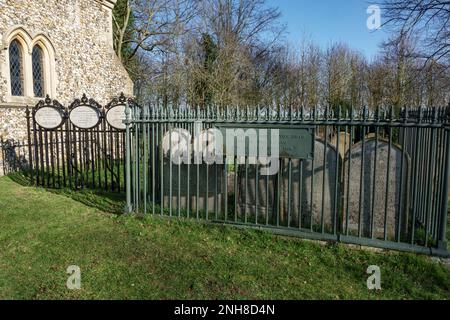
232,52
428,19
243,33
156,25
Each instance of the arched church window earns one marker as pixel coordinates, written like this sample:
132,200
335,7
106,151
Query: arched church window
30,69
38,71
16,68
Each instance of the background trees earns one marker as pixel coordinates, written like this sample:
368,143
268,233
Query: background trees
428,19
233,52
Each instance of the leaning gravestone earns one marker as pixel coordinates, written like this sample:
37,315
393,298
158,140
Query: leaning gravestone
390,183
307,183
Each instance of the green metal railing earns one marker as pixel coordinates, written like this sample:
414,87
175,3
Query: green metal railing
374,178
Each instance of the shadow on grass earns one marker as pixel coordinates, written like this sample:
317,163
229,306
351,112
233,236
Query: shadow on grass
111,202
114,202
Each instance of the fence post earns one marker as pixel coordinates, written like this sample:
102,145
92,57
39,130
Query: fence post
442,242
30,158
128,207
3,156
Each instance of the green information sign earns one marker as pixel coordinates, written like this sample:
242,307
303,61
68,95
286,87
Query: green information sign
294,141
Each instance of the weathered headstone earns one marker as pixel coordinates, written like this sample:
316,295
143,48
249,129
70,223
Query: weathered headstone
307,194
193,186
381,205
190,181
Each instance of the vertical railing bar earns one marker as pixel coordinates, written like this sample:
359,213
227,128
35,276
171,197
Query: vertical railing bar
63,153
324,175
361,182
145,156
36,143
30,157
236,170
207,169
415,182
170,124
336,223
128,207
311,208
188,195
300,193
402,178
430,184
375,163
57,158
246,202
388,176
289,190
442,238
197,197
153,164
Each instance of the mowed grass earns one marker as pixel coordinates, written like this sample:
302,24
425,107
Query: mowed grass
124,257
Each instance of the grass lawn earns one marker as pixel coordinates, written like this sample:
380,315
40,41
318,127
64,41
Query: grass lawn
123,257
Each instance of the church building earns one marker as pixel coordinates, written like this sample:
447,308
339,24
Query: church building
60,48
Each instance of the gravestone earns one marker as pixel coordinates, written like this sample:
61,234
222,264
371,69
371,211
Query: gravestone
193,185
392,184
188,181
307,183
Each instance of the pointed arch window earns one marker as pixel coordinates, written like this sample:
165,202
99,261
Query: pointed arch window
16,68
38,71
29,68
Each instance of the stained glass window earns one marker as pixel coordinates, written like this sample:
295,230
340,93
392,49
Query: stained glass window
16,68
38,72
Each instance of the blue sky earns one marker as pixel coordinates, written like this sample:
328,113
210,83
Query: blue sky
326,21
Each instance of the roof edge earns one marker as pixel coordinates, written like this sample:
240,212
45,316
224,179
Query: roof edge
108,3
